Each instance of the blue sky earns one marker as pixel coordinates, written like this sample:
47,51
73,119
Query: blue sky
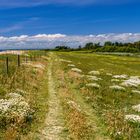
67,22
71,17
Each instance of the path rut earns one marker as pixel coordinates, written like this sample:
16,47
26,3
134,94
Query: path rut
54,123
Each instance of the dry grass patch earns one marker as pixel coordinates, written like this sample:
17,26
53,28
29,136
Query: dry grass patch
118,128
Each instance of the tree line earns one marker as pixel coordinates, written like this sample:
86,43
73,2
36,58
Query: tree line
106,47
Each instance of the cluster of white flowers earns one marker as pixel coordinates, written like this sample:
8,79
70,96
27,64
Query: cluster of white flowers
94,73
76,70
15,105
132,118
71,65
93,78
74,105
117,87
67,61
115,80
123,76
136,91
94,85
132,82
136,107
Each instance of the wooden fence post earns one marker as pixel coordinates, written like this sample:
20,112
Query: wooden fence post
7,65
18,60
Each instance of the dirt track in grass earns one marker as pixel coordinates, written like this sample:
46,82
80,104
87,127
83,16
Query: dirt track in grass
58,123
54,123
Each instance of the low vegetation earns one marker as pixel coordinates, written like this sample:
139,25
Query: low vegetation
106,47
70,95
107,83
22,101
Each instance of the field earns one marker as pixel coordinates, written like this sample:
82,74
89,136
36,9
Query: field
72,95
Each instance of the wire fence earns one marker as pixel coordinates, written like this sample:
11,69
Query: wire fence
10,62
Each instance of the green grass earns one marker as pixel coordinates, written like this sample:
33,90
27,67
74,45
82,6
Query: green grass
33,82
110,105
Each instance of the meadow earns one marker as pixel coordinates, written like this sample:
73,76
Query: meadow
70,96
110,84
22,100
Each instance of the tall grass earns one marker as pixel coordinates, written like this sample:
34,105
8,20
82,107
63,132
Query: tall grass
27,81
111,106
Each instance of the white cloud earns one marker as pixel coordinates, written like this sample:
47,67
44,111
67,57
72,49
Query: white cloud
49,36
52,40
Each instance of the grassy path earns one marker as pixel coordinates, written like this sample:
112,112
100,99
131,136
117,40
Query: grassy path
54,124
69,116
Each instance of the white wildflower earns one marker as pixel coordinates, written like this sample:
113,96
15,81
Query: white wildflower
136,107
116,87
94,78
94,85
123,76
15,104
136,91
94,73
132,118
76,70
132,82
71,65
4,105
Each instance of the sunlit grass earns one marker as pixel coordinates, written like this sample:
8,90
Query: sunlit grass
28,79
111,105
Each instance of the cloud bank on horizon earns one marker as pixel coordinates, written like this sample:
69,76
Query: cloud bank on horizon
30,3
42,41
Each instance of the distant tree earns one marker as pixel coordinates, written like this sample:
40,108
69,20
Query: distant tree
89,46
116,44
108,43
58,48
